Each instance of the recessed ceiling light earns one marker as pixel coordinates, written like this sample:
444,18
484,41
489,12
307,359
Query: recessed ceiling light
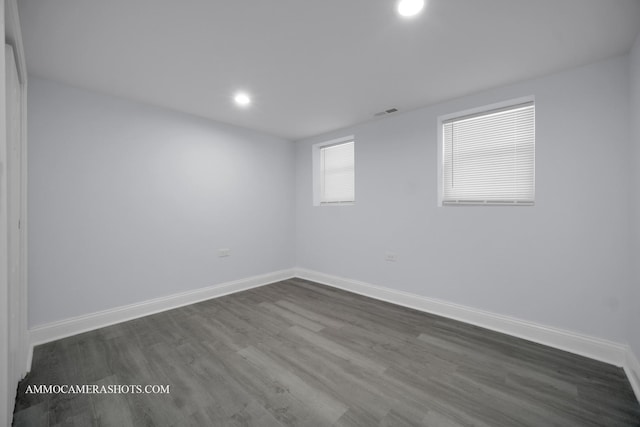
410,7
242,99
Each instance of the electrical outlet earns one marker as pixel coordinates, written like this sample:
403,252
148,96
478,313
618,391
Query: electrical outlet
391,256
224,252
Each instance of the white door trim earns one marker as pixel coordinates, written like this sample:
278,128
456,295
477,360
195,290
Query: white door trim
12,368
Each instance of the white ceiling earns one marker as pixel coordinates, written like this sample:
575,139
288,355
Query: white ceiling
313,66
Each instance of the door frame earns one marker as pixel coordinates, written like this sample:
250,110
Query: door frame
13,36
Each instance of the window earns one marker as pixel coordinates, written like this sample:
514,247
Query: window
488,156
334,172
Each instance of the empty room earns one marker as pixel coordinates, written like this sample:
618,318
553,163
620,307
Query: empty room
320,213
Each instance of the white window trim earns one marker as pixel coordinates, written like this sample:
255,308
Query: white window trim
440,150
315,158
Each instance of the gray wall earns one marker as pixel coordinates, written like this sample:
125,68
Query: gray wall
563,262
634,324
128,202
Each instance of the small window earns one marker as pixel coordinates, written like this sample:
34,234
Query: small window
488,156
334,172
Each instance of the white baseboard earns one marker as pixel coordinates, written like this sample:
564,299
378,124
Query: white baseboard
584,345
632,369
76,325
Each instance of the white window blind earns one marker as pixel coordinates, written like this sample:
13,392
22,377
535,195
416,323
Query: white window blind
489,157
337,173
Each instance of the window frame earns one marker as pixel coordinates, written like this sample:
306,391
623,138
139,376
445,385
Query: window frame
317,172
440,149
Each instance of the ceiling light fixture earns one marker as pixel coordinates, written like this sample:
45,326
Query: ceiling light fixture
409,8
242,99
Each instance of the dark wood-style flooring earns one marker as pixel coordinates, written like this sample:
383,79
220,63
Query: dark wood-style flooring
296,353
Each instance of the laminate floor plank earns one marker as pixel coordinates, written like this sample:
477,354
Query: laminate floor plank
343,352
34,416
273,393
292,317
297,353
356,387
319,318
112,409
330,375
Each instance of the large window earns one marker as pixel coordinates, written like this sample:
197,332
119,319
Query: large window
334,172
488,156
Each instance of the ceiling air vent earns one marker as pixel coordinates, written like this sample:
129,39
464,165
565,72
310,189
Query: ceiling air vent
385,112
